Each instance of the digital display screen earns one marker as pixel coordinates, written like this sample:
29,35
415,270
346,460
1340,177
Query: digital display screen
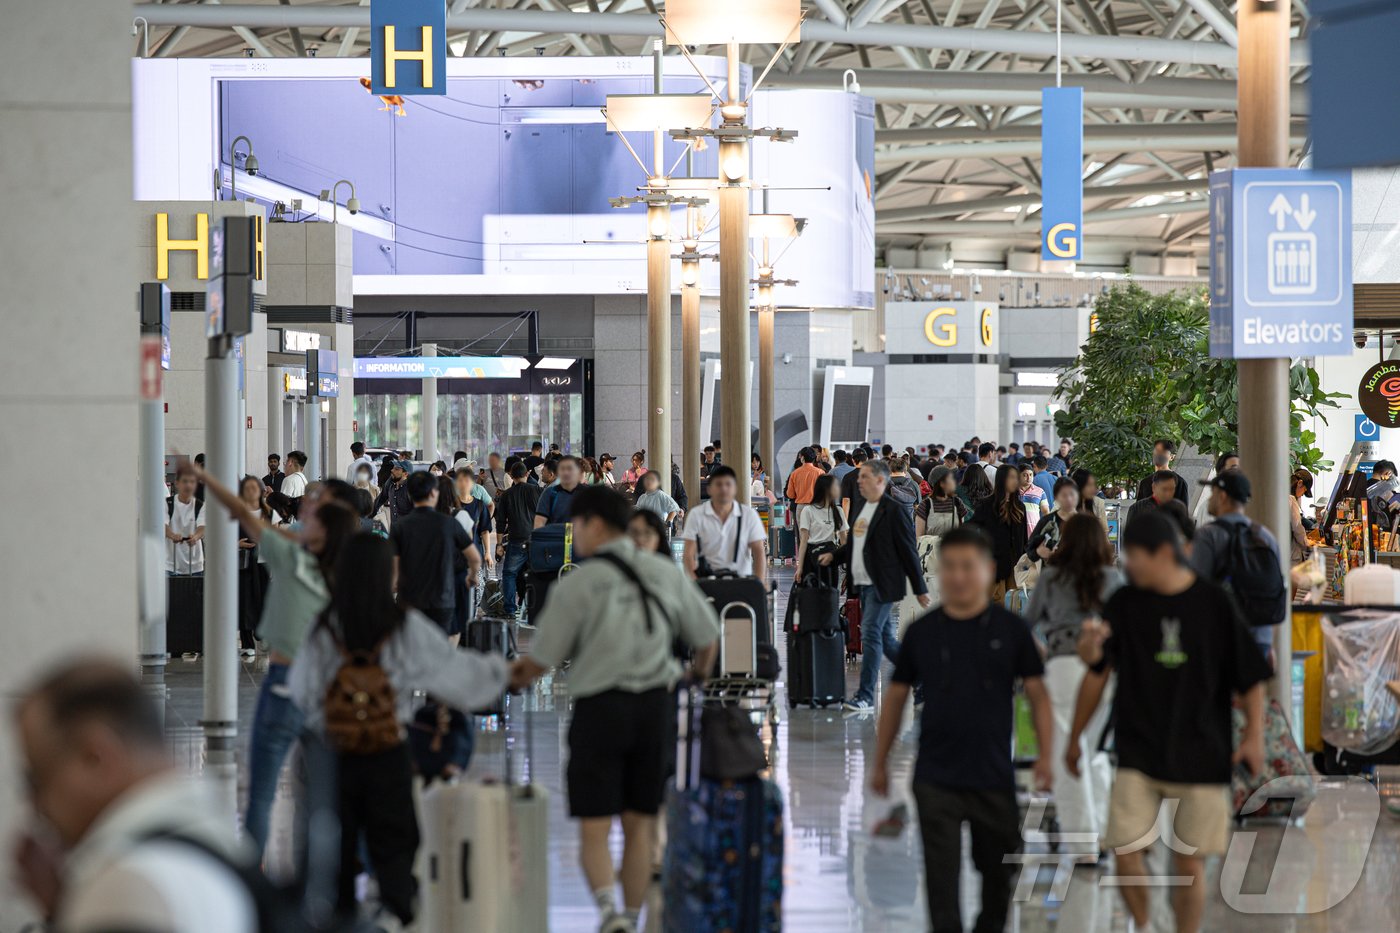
850,413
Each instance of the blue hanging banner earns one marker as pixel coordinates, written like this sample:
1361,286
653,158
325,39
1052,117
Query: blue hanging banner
408,47
1062,173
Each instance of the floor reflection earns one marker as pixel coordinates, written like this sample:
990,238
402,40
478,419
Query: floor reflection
839,878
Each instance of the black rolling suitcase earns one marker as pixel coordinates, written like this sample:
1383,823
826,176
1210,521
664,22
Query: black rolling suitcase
184,613
491,636
816,669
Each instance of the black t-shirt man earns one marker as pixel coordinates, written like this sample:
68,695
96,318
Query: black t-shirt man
969,669
850,489
1180,659
426,542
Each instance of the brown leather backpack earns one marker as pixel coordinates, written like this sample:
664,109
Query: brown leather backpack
361,712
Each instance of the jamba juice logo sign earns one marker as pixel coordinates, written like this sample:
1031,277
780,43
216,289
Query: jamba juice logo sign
1379,394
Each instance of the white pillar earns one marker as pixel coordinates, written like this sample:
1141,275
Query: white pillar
275,393
221,667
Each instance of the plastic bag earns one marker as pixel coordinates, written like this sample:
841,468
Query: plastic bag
1358,713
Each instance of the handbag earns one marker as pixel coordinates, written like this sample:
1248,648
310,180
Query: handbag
1026,572
730,749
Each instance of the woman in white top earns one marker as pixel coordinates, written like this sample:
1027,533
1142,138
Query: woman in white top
820,523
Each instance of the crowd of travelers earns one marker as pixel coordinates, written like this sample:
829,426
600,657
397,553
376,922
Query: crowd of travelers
362,593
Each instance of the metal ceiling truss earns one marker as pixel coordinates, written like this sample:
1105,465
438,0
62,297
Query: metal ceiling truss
956,85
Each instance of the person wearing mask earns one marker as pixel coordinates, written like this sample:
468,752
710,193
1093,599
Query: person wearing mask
1302,486
726,535
252,578
606,462
184,524
842,466
438,468
556,500
357,452
903,487
1049,531
299,565
1090,502
616,619
850,483
426,543
395,494
653,499
494,479
1162,490
376,789
132,843
1201,513
987,460
821,527
363,478
1003,518
1078,579
882,559
648,534
515,520
941,511
272,482
633,475
1218,550
1163,452
969,653
1182,653
1035,500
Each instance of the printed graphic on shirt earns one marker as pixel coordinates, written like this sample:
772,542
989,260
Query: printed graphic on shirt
1171,656
860,527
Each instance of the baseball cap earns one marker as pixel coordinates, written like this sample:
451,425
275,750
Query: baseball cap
1233,483
464,465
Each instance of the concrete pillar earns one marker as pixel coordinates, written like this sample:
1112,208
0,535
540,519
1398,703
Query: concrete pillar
275,393
428,426
659,343
1264,101
765,393
69,363
691,374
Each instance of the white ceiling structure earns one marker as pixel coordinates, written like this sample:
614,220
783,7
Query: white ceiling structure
957,84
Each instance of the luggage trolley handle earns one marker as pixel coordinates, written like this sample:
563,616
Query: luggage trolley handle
753,644
527,771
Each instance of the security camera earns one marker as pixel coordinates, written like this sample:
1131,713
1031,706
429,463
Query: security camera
353,205
1359,338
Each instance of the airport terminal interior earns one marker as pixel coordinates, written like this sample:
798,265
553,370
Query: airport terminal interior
700,466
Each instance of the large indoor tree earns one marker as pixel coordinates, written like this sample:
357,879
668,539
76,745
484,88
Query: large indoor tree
1146,372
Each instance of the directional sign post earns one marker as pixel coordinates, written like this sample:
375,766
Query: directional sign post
1280,270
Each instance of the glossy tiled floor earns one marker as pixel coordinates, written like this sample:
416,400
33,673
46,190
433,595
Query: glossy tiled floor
838,878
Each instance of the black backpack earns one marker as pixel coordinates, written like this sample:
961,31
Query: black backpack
1253,573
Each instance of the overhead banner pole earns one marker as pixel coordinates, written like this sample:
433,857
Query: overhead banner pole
1061,165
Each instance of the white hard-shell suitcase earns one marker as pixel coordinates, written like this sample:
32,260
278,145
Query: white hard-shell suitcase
485,865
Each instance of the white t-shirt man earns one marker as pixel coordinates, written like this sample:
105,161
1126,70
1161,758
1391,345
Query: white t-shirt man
186,518
859,528
294,485
715,539
362,460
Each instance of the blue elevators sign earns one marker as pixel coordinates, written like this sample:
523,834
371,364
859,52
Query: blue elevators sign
1280,264
1062,173
408,47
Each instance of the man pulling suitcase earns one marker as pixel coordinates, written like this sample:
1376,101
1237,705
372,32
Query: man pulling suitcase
616,619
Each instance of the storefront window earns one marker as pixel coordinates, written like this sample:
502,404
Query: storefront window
477,424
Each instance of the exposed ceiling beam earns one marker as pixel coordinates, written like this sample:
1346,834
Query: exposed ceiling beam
1017,228
1146,141
1217,19
982,205
1118,48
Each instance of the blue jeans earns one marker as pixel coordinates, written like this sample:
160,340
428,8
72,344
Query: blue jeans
878,637
510,570
276,726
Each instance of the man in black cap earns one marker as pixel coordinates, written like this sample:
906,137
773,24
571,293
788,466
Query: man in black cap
1242,555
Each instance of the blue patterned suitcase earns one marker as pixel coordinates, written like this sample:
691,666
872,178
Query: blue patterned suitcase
723,871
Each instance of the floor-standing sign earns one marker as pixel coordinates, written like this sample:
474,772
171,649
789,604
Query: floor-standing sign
1062,173
408,47
1280,263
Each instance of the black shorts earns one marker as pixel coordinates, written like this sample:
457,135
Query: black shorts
446,619
620,747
